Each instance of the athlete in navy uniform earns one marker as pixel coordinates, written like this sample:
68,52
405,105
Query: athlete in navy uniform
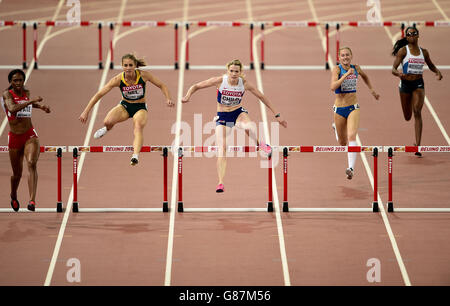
230,90
412,89
346,108
132,86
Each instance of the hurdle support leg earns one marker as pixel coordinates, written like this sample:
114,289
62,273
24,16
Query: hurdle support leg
270,202
165,202
327,28
180,180
390,202
285,182
75,179
262,46
176,46
187,47
35,37
252,65
24,47
100,57
59,207
375,180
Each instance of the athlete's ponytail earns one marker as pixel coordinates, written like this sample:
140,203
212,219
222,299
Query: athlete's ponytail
402,42
138,61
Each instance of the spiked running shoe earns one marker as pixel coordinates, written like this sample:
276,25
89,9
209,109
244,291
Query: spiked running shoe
349,173
31,206
134,160
220,188
265,147
15,204
100,132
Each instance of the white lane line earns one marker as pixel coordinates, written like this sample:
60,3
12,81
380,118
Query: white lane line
176,143
38,52
282,245
62,229
369,173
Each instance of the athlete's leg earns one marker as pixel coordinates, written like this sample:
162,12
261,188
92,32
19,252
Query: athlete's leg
16,158
418,97
244,122
115,115
405,99
139,120
341,129
221,133
31,153
352,130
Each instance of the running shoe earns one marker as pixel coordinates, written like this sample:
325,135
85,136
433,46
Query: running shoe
15,204
31,205
220,188
134,160
349,173
418,154
100,132
265,147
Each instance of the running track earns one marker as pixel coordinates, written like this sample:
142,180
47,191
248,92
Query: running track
251,248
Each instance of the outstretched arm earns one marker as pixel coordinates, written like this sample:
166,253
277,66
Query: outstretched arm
215,81
366,80
266,102
430,64
155,81
114,82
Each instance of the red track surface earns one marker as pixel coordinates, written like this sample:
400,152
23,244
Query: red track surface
228,248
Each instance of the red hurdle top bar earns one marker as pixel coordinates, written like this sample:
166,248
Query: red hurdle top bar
303,23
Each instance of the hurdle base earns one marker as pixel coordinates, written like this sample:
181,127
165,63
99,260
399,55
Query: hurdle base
165,206
252,66
285,206
262,66
180,206
59,207
100,65
75,207
327,66
270,206
375,206
187,65
176,66
24,65
390,207
35,65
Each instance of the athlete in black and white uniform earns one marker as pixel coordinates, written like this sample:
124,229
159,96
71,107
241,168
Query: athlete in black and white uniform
230,90
412,89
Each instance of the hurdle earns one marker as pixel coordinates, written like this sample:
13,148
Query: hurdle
262,25
409,149
328,149
211,149
44,149
111,149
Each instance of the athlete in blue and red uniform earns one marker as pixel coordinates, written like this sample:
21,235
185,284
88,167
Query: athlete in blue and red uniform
131,83
230,90
23,140
412,89
346,108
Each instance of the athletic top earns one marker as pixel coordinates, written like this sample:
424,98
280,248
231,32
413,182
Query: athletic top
230,95
134,91
413,64
24,112
350,82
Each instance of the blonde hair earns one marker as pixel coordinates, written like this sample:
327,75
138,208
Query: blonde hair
236,62
139,62
345,47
